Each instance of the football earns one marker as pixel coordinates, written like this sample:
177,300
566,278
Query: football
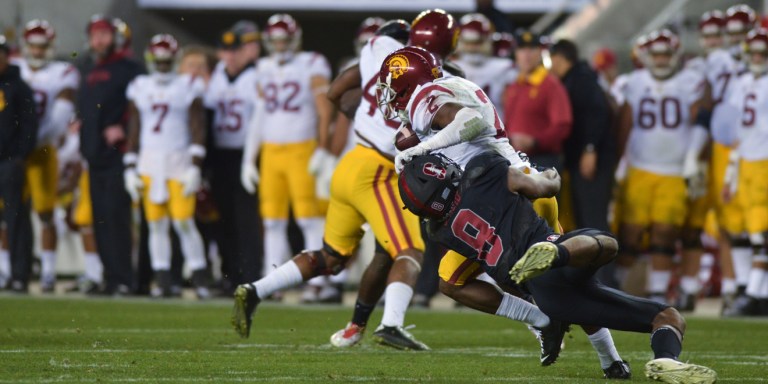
406,138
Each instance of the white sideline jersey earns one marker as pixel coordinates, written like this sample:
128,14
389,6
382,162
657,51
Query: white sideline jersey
233,103
164,120
661,120
619,87
290,115
722,69
371,128
492,75
46,83
750,98
427,99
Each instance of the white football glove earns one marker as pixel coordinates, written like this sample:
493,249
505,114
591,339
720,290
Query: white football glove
732,173
320,159
191,180
323,179
249,177
621,170
697,183
133,183
406,156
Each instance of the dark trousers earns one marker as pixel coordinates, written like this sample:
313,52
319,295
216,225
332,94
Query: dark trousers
16,216
238,235
112,225
429,279
590,200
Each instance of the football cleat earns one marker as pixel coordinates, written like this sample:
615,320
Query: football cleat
536,260
348,337
398,337
619,370
246,301
551,341
676,372
48,285
743,306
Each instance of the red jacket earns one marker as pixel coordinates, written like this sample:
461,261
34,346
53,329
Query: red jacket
538,105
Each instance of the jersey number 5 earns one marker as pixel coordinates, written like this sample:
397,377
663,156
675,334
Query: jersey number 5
477,233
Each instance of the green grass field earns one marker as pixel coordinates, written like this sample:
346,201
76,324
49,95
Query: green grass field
135,340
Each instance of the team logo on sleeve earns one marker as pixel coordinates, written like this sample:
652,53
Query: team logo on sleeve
398,65
433,170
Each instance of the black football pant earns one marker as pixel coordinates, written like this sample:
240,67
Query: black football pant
112,225
238,233
574,295
16,215
429,278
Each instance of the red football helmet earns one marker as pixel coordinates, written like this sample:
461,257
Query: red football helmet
162,47
366,30
401,73
475,27
282,27
757,43
712,23
661,42
503,44
39,32
436,31
739,19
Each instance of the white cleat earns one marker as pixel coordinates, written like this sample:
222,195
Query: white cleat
347,337
676,372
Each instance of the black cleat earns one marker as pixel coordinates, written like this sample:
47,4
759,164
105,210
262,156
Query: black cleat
398,337
618,370
551,340
246,302
743,306
686,302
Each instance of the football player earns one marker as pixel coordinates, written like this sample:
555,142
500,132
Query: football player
165,150
289,130
418,100
485,214
503,44
723,68
662,153
747,171
232,97
492,74
54,84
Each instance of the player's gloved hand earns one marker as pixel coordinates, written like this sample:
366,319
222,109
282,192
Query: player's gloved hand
731,176
621,170
249,176
133,183
323,179
191,180
320,159
406,156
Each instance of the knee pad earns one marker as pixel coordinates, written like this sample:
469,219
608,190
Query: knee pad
320,265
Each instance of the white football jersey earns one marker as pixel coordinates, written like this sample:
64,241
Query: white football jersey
370,126
427,99
290,115
661,121
721,71
619,87
46,83
233,103
749,98
492,75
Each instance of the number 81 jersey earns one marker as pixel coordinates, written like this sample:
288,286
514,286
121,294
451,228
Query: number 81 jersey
163,107
661,120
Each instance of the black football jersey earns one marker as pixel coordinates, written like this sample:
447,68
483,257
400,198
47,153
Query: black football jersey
490,224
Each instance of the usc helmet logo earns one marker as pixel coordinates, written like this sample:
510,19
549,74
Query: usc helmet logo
398,65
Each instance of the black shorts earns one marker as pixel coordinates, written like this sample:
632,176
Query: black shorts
574,295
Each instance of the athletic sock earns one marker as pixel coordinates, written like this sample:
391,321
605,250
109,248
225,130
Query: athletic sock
362,313
658,281
742,262
690,285
5,265
285,276
160,244
665,343
397,297
93,267
756,278
728,286
515,308
191,244
602,342
47,265
563,256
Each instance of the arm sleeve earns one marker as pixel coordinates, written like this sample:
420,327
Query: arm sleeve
560,120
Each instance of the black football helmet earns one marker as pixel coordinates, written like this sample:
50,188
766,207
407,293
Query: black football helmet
397,29
428,185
